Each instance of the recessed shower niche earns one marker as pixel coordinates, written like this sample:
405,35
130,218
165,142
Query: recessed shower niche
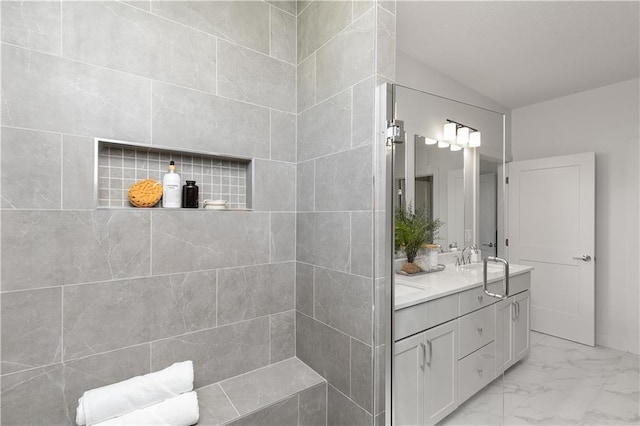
118,165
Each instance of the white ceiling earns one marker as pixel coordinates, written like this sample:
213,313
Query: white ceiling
524,52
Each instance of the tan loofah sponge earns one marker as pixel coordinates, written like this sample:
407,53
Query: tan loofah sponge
145,193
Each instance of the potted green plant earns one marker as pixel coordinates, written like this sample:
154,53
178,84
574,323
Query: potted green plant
413,229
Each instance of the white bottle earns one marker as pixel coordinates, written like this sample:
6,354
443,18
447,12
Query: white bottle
171,194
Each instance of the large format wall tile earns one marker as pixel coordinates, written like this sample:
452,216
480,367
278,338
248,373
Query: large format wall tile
305,186
243,22
185,118
275,186
49,248
313,406
386,44
349,169
344,301
253,77
319,22
286,5
283,336
343,412
70,97
136,311
254,291
118,36
304,288
218,353
283,136
325,128
362,375
363,109
268,385
307,83
325,350
197,240
49,395
283,35
362,243
32,24
77,172
323,239
31,329
30,169
347,59
283,237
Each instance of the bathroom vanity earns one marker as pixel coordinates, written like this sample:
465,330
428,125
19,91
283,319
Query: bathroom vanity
452,339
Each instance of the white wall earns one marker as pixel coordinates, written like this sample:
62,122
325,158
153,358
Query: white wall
606,121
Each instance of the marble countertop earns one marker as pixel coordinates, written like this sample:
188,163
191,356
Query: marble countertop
412,290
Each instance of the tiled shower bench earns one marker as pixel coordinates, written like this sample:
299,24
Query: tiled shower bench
285,393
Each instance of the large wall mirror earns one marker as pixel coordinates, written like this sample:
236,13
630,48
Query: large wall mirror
455,183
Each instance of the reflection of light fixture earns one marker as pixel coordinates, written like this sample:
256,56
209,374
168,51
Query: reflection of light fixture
443,144
455,147
463,136
428,141
474,139
450,131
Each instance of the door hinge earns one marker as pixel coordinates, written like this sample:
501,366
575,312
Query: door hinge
395,131
507,179
506,242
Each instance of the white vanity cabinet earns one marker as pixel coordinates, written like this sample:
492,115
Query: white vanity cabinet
426,374
512,330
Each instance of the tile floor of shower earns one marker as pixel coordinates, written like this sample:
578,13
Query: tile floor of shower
560,383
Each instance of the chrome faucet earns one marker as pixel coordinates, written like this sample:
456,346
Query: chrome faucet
461,260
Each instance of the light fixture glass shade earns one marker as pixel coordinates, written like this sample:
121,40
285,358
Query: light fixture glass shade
449,132
428,141
474,140
455,147
443,144
463,136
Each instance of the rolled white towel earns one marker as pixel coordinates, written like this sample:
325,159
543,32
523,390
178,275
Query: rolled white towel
181,410
107,402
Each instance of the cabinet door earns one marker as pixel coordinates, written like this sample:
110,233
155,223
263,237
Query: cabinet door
521,325
409,375
505,316
441,371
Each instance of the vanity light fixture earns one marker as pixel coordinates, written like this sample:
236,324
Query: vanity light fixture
474,139
449,133
443,144
455,147
428,141
463,136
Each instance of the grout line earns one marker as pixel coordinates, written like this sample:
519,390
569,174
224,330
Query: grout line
217,296
229,399
270,7
61,172
351,400
62,324
335,329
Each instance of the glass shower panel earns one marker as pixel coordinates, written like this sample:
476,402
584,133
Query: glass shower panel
448,336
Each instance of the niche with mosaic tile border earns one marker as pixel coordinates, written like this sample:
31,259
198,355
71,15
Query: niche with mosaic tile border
118,165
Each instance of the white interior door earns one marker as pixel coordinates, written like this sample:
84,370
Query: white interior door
552,227
488,219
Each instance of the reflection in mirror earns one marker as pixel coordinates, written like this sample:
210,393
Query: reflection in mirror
488,206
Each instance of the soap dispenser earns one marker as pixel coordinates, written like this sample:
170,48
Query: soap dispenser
171,194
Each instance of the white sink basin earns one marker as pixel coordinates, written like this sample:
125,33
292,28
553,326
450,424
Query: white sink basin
403,290
491,267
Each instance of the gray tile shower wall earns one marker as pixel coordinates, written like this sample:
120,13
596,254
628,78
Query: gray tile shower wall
334,273
91,297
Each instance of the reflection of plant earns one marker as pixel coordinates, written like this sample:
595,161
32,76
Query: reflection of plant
413,229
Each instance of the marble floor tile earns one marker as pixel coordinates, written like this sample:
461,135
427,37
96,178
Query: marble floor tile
559,383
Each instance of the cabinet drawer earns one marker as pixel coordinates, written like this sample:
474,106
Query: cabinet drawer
476,330
423,316
476,371
475,298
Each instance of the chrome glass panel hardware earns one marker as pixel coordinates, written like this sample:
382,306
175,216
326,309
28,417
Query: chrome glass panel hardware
584,258
395,132
506,277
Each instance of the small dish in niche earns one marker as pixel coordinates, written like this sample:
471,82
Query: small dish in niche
216,204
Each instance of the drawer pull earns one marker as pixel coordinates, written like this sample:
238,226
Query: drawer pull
424,355
480,299
480,372
480,330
